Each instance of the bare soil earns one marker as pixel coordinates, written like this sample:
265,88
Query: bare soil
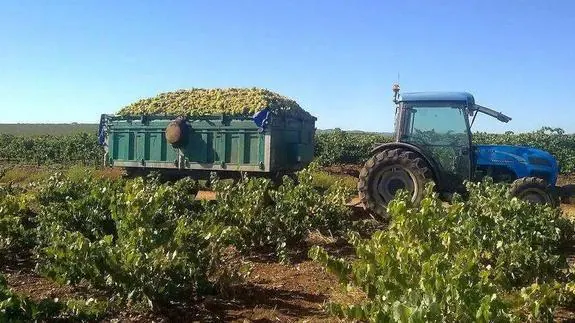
273,292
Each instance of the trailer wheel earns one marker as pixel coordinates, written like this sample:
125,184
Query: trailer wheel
277,178
386,173
535,190
132,172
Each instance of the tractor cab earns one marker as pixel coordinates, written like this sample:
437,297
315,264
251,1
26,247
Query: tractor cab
433,143
438,123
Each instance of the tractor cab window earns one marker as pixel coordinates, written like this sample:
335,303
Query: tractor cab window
442,132
437,126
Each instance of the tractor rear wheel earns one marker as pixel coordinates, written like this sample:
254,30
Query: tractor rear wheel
535,190
384,174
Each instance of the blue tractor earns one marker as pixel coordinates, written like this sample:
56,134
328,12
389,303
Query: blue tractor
433,143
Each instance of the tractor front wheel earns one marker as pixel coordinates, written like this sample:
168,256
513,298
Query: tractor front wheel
388,172
535,190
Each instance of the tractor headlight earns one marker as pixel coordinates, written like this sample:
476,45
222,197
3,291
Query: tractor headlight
539,161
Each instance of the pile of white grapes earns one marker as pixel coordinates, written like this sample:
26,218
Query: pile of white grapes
203,102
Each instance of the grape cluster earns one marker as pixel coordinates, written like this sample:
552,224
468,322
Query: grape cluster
202,102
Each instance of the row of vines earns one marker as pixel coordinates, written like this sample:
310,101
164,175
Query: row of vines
340,147
80,148
143,241
490,258
332,148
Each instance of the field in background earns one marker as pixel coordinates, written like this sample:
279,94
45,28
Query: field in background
35,129
66,144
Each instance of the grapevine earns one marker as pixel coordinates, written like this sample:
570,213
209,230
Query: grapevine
490,258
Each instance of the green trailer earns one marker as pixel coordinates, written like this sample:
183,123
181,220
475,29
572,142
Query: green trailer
270,145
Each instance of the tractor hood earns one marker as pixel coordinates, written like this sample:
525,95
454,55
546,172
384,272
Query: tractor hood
523,161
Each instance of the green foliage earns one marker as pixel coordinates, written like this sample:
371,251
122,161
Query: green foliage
16,222
79,205
331,148
144,240
278,217
141,239
51,149
491,258
341,147
324,180
17,308
23,175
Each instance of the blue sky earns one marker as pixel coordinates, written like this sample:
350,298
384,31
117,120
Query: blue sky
66,61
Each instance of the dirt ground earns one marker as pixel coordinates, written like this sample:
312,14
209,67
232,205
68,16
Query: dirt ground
273,292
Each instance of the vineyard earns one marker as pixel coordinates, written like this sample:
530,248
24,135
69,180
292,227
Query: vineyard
82,244
340,147
51,149
332,148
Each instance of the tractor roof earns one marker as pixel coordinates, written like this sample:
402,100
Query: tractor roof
463,97
438,96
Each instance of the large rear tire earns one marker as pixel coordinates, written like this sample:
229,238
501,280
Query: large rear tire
386,173
535,190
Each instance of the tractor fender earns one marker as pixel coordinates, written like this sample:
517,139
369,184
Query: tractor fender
428,159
